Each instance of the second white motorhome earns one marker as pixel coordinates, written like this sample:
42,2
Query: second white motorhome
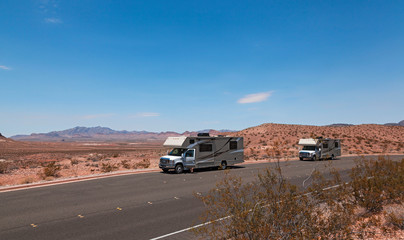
319,148
201,152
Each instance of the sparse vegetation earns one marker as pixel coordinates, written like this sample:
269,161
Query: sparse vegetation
125,164
108,167
3,167
51,169
273,208
145,163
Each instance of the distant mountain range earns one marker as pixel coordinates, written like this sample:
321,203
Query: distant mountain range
401,123
106,134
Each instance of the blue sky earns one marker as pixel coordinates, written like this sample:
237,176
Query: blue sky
191,65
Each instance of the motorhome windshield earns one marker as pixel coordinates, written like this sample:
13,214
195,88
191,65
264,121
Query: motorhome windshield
311,148
177,152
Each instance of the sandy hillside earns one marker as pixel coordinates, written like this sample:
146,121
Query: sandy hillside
356,139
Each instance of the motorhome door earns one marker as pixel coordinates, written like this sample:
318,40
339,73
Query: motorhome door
190,158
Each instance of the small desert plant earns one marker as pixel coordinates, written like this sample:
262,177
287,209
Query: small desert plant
27,180
145,163
74,161
395,220
3,166
95,157
108,167
125,164
51,169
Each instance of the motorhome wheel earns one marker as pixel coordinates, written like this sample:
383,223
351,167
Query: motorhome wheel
314,158
179,168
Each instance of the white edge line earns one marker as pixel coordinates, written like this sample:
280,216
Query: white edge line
190,228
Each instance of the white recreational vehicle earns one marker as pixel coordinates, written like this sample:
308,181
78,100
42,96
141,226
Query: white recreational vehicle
319,148
201,152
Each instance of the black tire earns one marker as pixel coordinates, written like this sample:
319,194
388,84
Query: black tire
301,159
223,165
314,158
179,168
165,170
332,157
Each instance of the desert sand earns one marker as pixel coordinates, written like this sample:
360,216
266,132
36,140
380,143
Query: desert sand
27,162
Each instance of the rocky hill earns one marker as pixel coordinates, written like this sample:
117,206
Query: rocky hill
261,140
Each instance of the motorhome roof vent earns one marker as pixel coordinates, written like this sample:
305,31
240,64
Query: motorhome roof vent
203,134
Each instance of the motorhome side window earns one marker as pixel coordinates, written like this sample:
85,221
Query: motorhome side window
205,148
233,145
325,145
191,141
190,153
336,144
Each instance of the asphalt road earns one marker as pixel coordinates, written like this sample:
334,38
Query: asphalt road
139,206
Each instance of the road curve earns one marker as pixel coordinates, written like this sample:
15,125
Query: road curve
142,206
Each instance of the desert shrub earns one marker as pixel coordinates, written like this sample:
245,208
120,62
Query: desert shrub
375,183
145,163
74,161
95,157
395,220
3,167
115,155
273,208
27,180
51,169
108,167
125,164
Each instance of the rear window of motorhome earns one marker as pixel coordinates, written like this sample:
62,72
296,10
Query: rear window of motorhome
233,145
205,147
336,144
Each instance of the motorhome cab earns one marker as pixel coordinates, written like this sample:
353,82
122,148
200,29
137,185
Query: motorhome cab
201,152
319,148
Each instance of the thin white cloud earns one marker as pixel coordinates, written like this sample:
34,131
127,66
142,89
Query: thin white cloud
53,20
147,114
255,97
5,67
94,116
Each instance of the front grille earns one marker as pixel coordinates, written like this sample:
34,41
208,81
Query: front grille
164,160
305,154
